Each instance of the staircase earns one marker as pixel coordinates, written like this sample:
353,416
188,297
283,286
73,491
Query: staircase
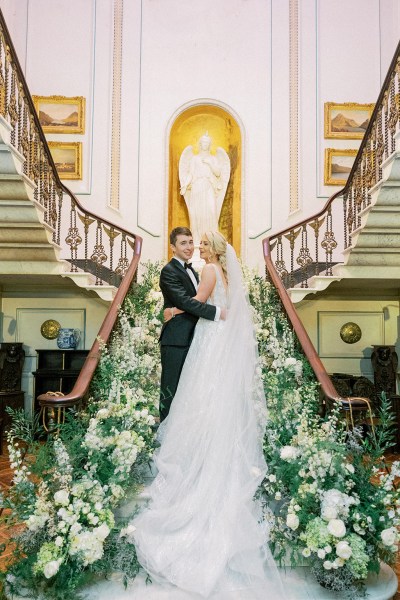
44,230
50,245
356,236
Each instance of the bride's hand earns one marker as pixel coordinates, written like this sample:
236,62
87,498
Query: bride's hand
169,313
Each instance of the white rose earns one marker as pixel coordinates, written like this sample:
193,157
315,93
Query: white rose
338,562
102,531
389,536
306,552
61,497
292,521
343,550
272,478
337,528
329,512
321,553
289,453
51,568
327,565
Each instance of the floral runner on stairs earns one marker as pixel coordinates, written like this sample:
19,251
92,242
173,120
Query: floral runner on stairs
332,502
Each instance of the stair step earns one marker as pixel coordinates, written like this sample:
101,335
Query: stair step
11,161
15,186
30,251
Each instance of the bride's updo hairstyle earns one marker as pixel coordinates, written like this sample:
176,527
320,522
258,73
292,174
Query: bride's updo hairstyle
218,248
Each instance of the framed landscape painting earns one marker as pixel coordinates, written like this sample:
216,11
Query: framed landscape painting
59,114
338,164
347,121
67,157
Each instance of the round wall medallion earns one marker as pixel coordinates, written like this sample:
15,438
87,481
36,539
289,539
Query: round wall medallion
49,329
350,333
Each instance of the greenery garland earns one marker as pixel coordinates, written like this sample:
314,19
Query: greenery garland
333,502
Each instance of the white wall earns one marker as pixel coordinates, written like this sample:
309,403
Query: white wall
232,52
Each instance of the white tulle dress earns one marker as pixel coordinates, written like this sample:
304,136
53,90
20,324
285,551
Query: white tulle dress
200,536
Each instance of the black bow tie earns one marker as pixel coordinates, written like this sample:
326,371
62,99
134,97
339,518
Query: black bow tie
188,266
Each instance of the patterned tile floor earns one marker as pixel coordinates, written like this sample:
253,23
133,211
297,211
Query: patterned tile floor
5,479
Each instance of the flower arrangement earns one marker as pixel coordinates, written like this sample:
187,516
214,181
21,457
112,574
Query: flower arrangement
336,503
65,495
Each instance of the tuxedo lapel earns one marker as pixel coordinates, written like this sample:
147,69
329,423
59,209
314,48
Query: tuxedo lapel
177,265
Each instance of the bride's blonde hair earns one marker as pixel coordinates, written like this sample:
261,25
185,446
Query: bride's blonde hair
218,248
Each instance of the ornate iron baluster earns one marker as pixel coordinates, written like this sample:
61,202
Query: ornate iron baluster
87,221
25,146
73,238
60,203
304,259
393,116
316,225
12,107
112,234
329,243
123,262
99,255
280,263
291,236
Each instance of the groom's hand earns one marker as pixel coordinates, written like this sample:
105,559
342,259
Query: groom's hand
223,314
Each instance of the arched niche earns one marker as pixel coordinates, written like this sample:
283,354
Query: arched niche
186,130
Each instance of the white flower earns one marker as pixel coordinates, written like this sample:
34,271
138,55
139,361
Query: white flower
61,498
337,528
327,565
102,531
272,478
51,568
278,496
306,552
343,550
292,521
289,453
329,512
349,467
59,541
321,553
389,536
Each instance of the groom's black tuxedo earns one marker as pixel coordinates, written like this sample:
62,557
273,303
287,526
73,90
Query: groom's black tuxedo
177,333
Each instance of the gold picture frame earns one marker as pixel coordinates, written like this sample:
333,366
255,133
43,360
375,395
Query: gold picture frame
60,114
67,157
347,121
338,164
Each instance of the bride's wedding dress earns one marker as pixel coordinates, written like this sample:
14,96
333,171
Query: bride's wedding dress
200,536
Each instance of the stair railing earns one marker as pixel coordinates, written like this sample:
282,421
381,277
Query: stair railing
92,243
312,246
51,196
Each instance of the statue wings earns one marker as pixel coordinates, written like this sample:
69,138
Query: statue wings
184,171
225,166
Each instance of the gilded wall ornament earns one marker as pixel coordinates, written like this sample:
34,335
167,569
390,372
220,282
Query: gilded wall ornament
49,329
350,333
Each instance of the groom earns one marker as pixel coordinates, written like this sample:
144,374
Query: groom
178,283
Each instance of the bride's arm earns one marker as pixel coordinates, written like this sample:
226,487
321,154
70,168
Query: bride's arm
206,286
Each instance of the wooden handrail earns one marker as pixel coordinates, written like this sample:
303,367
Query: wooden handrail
92,360
308,347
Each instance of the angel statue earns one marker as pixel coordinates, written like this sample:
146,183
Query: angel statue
204,179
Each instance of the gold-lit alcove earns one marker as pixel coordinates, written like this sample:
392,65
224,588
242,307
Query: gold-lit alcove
225,132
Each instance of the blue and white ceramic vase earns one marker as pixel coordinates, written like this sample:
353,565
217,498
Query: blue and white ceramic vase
68,338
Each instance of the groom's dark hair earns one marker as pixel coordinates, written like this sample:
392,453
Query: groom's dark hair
178,231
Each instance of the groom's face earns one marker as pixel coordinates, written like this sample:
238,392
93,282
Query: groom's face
183,247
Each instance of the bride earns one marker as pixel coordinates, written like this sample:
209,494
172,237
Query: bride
201,533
